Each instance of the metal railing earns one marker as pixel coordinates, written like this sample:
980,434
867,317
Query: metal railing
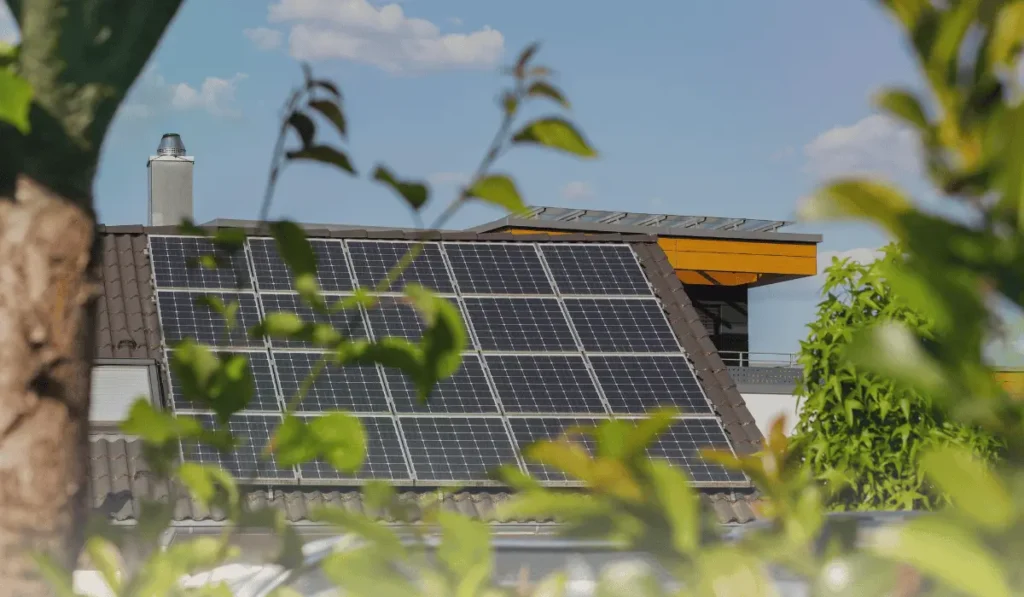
735,358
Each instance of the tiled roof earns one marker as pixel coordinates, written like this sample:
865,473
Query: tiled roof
121,481
126,320
128,327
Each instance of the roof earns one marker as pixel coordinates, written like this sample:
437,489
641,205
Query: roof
121,480
668,226
128,328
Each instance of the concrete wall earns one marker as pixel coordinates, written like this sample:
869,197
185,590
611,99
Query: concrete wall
767,407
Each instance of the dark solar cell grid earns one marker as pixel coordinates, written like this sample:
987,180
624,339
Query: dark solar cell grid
455,449
544,384
264,396
497,268
639,384
465,392
595,269
529,430
520,324
175,264
247,461
621,325
681,445
348,323
395,317
373,260
273,274
183,316
355,388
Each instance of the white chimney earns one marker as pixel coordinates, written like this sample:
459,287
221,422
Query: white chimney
170,183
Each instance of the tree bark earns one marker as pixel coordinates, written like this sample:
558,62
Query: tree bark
47,312
80,57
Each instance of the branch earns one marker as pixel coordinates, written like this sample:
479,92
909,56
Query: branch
81,57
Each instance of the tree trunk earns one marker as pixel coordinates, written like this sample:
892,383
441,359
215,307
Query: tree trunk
47,313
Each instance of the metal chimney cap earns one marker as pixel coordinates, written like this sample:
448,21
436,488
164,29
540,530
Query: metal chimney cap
170,144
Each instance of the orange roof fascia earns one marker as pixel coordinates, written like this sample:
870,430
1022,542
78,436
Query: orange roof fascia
750,257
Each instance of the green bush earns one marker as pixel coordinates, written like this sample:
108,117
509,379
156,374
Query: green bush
859,432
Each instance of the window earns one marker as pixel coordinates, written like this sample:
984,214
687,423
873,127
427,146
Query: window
115,388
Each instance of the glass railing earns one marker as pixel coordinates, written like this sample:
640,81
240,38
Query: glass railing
734,358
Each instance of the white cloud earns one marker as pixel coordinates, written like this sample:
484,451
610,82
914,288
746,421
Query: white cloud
383,36
874,145
446,179
264,38
577,190
8,28
153,93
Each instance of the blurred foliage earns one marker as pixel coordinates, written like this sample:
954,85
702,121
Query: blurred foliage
862,434
928,344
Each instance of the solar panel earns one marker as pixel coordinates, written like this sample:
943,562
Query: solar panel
595,269
355,388
520,324
384,457
264,396
465,392
621,325
272,273
349,323
529,430
638,384
246,462
456,449
497,268
373,261
681,445
544,384
182,316
175,264
393,316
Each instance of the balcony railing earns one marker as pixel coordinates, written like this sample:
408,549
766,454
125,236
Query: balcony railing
735,358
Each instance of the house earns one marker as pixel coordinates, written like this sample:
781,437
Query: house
573,314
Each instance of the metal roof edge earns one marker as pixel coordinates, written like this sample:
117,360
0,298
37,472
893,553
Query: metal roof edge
576,226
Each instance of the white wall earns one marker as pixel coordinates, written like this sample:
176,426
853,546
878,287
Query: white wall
767,407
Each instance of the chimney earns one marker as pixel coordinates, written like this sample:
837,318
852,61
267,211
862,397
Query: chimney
170,183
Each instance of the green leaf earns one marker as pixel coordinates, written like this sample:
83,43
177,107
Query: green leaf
443,340
326,85
221,381
229,239
1008,33
341,439
156,516
905,105
414,193
555,133
105,556
304,126
524,59
361,525
324,154
294,443
204,481
465,543
282,324
15,100
647,431
59,579
679,502
629,579
294,248
946,551
367,573
331,111
544,89
972,488
157,427
500,190
727,571
858,199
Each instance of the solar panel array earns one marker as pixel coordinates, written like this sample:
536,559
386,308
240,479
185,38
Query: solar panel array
561,334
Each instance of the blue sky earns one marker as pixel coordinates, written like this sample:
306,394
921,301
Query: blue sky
698,108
